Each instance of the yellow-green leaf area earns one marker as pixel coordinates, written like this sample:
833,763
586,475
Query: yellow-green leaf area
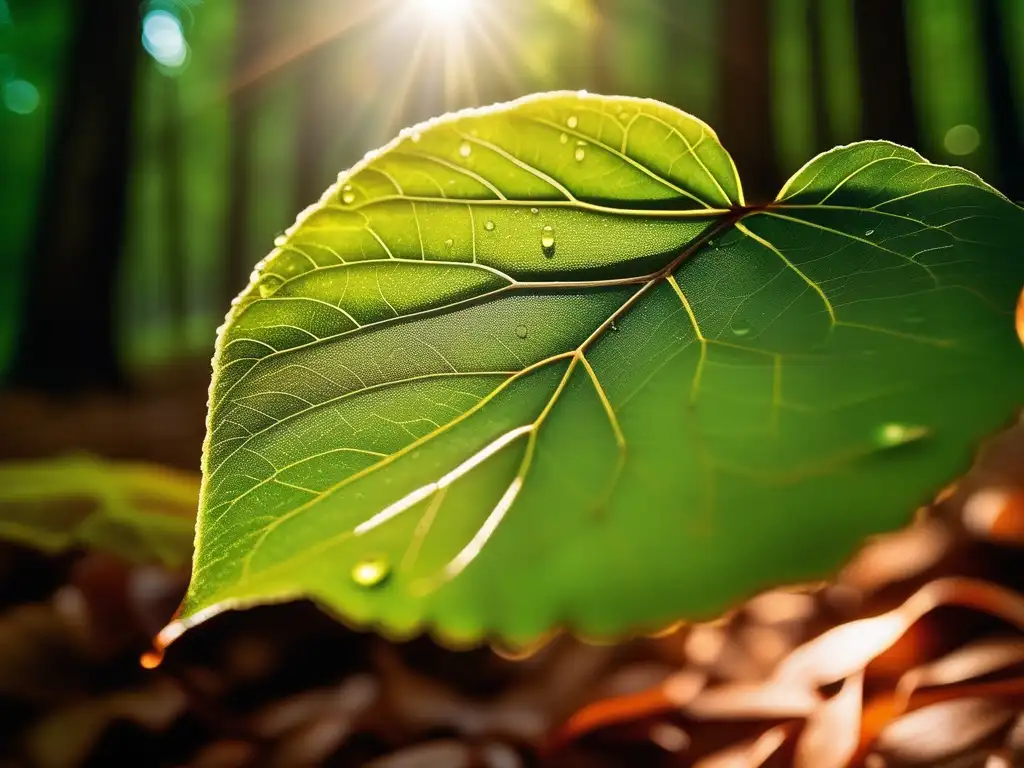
540,365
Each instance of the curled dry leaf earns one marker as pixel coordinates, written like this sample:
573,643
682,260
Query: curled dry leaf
769,700
844,650
971,661
832,733
896,556
750,754
942,730
996,514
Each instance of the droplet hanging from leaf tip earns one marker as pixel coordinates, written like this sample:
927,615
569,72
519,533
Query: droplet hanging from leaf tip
465,149
547,241
371,572
521,331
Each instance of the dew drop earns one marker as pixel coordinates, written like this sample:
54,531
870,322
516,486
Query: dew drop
371,572
449,243
547,241
580,153
895,433
572,122
521,331
347,195
740,328
564,138
280,240
535,211
489,226
614,326
869,233
465,150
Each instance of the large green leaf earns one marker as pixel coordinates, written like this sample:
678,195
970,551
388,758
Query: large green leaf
540,365
141,512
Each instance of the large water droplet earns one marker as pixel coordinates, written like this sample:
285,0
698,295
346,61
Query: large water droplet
489,226
895,433
465,149
572,122
371,572
740,328
547,241
347,195
521,331
564,138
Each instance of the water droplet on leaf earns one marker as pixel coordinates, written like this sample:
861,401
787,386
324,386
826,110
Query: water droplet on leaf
869,233
449,243
269,286
371,572
564,138
347,195
535,211
465,150
894,433
740,328
489,226
416,137
521,331
572,122
547,241
579,154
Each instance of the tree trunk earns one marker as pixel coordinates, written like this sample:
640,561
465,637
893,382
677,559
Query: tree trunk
886,90
1007,131
68,336
175,221
746,127
256,28
823,138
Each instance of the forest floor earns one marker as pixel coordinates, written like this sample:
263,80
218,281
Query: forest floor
809,678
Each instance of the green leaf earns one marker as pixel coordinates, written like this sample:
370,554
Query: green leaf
539,365
141,512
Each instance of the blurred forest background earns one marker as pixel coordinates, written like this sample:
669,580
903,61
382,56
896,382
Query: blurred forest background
151,151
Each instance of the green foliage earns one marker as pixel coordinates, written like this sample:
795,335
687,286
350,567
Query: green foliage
140,512
540,365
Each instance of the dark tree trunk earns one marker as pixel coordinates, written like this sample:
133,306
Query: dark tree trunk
256,28
746,127
823,138
68,327
175,221
1007,131
887,94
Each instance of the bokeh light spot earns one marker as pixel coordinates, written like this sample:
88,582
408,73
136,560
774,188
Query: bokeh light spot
962,139
164,39
21,97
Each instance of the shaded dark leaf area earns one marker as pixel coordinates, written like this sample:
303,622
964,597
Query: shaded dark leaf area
913,656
